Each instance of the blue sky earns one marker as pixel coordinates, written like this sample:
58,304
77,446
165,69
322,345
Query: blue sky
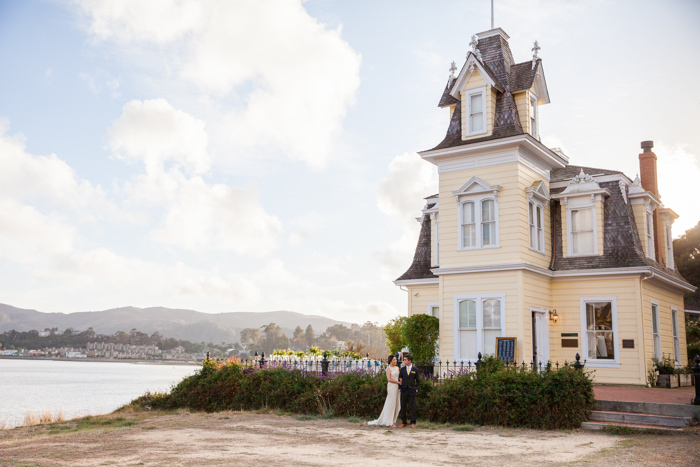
256,156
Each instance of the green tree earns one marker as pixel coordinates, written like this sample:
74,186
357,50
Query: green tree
298,337
394,334
309,336
421,333
686,253
250,338
273,338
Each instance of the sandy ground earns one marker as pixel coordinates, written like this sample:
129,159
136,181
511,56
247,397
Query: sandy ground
269,440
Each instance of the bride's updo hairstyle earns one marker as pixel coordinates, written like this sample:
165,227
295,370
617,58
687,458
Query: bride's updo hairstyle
388,360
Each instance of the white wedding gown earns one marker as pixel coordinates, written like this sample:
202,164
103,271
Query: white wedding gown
392,405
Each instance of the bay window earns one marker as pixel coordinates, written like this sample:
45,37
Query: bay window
599,323
478,321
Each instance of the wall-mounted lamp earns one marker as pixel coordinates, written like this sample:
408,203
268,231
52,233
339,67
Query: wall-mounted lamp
416,294
553,316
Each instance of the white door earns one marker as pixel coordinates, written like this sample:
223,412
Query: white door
540,337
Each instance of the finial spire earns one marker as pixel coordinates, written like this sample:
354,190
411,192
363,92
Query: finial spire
453,70
473,44
536,48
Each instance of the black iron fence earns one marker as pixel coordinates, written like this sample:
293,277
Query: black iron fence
436,371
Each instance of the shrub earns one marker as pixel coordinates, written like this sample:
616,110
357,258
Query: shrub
394,334
496,395
421,334
665,366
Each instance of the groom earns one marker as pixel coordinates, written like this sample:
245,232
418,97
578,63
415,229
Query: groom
409,389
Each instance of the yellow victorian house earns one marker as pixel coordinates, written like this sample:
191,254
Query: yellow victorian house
520,244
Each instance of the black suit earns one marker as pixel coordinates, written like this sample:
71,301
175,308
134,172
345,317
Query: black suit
409,389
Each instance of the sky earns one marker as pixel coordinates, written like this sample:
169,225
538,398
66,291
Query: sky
262,155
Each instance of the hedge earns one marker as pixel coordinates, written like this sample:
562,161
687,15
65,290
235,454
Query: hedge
494,395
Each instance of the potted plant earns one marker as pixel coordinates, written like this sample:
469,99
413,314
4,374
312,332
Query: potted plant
685,377
421,334
667,372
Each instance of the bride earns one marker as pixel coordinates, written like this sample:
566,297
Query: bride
392,405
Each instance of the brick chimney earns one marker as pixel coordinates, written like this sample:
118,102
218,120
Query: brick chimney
647,174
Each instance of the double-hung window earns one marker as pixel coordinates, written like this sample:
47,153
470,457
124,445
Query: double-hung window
582,233
476,105
533,116
536,221
599,323
478,321
655,331
479,226
676,339
650,234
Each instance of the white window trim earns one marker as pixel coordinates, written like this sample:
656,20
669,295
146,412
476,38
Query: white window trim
437,239
432,305
658,324
477,200
669,247
598,363
535,134
651,253
479,299
468,93
535,205
676,336
570,234
545,312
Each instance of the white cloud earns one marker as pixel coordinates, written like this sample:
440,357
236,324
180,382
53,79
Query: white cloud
198,216
678,172
294,78
408,181
154,133
49,179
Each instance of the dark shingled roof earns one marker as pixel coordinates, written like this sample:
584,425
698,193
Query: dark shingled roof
498,63
523,75
420,269
570,171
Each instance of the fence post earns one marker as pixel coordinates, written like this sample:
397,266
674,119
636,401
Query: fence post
262,360
324,364
696,372
207,356
479,362
578,365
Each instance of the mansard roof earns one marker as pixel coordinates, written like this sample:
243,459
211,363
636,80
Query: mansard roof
497,60
420,268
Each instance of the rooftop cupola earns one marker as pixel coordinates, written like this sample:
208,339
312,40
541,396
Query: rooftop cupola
492,96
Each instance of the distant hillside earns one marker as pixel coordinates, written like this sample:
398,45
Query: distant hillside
180,324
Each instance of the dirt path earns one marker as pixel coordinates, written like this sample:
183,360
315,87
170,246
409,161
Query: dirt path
267,440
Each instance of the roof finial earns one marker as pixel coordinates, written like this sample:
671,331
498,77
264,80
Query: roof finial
453,70
473,44
535,49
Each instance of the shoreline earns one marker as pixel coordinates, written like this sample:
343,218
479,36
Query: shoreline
105,360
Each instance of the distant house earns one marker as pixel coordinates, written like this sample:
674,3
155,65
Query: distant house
520,243
44,333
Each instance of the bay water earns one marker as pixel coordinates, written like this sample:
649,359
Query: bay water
78,388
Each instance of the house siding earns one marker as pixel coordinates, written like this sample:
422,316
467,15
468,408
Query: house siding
666,299
419,304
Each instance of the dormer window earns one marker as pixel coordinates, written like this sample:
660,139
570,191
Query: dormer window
582,238
476,99
650,234
533,116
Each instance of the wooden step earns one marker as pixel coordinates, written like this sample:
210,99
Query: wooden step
656,408
639,419
633,426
